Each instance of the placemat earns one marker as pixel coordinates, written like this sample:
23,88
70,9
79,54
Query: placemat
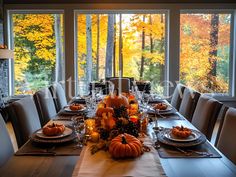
173,116
36,149
204,150
71,113
65,117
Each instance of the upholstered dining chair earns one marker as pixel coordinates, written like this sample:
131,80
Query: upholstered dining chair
24,118
123,84
177,96
45,105
221,118
205,114
188,103
226,143
6,148
59,96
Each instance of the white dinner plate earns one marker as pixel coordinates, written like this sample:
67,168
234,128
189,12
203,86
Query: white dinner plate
67,132
194,136
69,110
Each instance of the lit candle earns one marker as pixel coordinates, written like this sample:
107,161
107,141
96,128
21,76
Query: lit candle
134,106
95,137
89,125
134,119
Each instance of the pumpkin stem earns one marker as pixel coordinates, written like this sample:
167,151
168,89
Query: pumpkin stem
123,140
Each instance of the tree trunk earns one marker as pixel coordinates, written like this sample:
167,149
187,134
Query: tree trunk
151,38
213,43
114,49
88,49
98,42
110,46
143,47
121,49
213,50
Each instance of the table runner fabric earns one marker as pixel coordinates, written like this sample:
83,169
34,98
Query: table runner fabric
36,149
166,151
102,165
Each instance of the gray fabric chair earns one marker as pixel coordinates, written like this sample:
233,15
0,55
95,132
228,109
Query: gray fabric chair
205,115
226,143
6,148
59,96
221,117
123,83
177,96
45,105
188,103
24,118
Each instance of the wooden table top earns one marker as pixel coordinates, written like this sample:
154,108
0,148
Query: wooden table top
62,166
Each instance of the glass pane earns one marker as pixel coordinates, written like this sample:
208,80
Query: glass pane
126,45
38,47
205,51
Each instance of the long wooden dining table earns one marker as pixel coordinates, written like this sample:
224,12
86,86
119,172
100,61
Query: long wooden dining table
63,166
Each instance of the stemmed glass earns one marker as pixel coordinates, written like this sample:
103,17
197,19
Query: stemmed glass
78,126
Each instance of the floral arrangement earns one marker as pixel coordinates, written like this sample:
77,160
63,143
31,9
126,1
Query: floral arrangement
118,119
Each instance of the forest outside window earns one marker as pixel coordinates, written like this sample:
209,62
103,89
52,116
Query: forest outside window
126,45
37,40
205,51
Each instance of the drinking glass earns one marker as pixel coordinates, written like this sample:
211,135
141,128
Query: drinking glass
78,126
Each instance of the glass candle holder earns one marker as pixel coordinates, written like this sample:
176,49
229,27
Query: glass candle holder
89,126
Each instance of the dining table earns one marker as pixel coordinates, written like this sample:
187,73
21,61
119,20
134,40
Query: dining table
178,163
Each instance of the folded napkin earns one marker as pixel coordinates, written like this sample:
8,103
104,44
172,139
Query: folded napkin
102,165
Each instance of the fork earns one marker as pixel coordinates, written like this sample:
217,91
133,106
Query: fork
190,152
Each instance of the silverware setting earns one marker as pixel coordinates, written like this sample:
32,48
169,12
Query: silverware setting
190,152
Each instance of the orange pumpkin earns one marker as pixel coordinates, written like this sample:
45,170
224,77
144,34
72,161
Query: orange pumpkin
117,101
125,145
160,106
76,106
181,132
102,110
53,129
109,122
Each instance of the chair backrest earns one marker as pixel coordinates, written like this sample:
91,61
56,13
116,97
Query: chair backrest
188,103
59,96
24,118
45,105
123,84
205,115
226,143
6,148
221,117
177,96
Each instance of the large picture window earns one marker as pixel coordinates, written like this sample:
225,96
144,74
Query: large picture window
126,45
38,48
205,41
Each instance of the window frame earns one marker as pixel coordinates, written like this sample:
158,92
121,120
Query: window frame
231,94
11,39
173,40
158,11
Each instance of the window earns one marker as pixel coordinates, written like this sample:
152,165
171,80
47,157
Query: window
205,41
126,45
37,40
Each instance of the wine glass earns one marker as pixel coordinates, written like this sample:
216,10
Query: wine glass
78,126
